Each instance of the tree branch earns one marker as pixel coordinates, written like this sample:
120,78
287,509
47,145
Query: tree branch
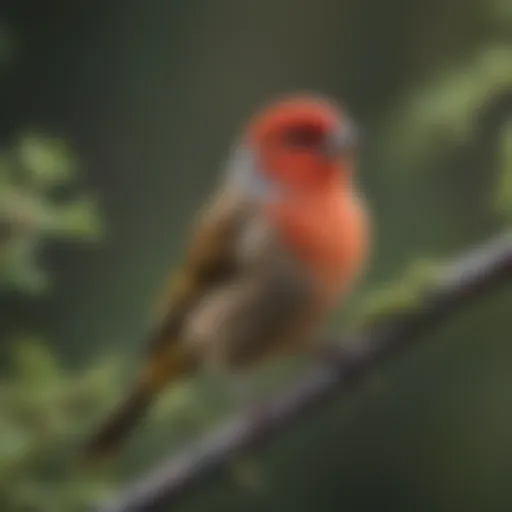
471,276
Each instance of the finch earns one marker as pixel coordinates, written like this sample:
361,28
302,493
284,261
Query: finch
283,238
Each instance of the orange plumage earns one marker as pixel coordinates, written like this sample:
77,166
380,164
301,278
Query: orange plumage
284,236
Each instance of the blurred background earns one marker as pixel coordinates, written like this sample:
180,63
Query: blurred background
116,117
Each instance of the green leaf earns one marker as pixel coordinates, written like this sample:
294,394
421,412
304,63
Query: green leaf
46,161
18,267
77,219
34,361
15,443
402,295
440,114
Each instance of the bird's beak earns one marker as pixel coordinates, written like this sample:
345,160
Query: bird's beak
340,141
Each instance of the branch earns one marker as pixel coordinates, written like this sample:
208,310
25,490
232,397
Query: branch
471,276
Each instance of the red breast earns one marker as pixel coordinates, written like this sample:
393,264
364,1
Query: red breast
328,232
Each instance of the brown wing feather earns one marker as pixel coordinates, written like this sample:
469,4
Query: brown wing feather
210,259
257,311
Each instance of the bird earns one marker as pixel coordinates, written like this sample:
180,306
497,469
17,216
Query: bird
281,241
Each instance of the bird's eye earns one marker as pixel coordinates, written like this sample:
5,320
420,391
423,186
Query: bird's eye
303,136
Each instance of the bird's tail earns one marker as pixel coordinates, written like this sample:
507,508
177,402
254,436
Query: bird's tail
160,370
117,427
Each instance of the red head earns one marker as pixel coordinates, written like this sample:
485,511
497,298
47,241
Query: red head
302,142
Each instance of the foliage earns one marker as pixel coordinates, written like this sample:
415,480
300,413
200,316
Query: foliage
34,175
445,109
45,412
44,408
403,294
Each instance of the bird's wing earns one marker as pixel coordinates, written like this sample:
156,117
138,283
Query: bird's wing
262,307
239,289
210,259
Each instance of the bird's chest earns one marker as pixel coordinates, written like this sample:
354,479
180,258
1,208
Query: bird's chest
327,235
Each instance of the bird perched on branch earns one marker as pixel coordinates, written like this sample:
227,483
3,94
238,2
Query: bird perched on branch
283,238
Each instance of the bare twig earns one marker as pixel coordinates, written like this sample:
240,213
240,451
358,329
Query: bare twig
479,271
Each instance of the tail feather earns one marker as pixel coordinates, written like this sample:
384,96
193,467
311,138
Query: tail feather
159,372
111,435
